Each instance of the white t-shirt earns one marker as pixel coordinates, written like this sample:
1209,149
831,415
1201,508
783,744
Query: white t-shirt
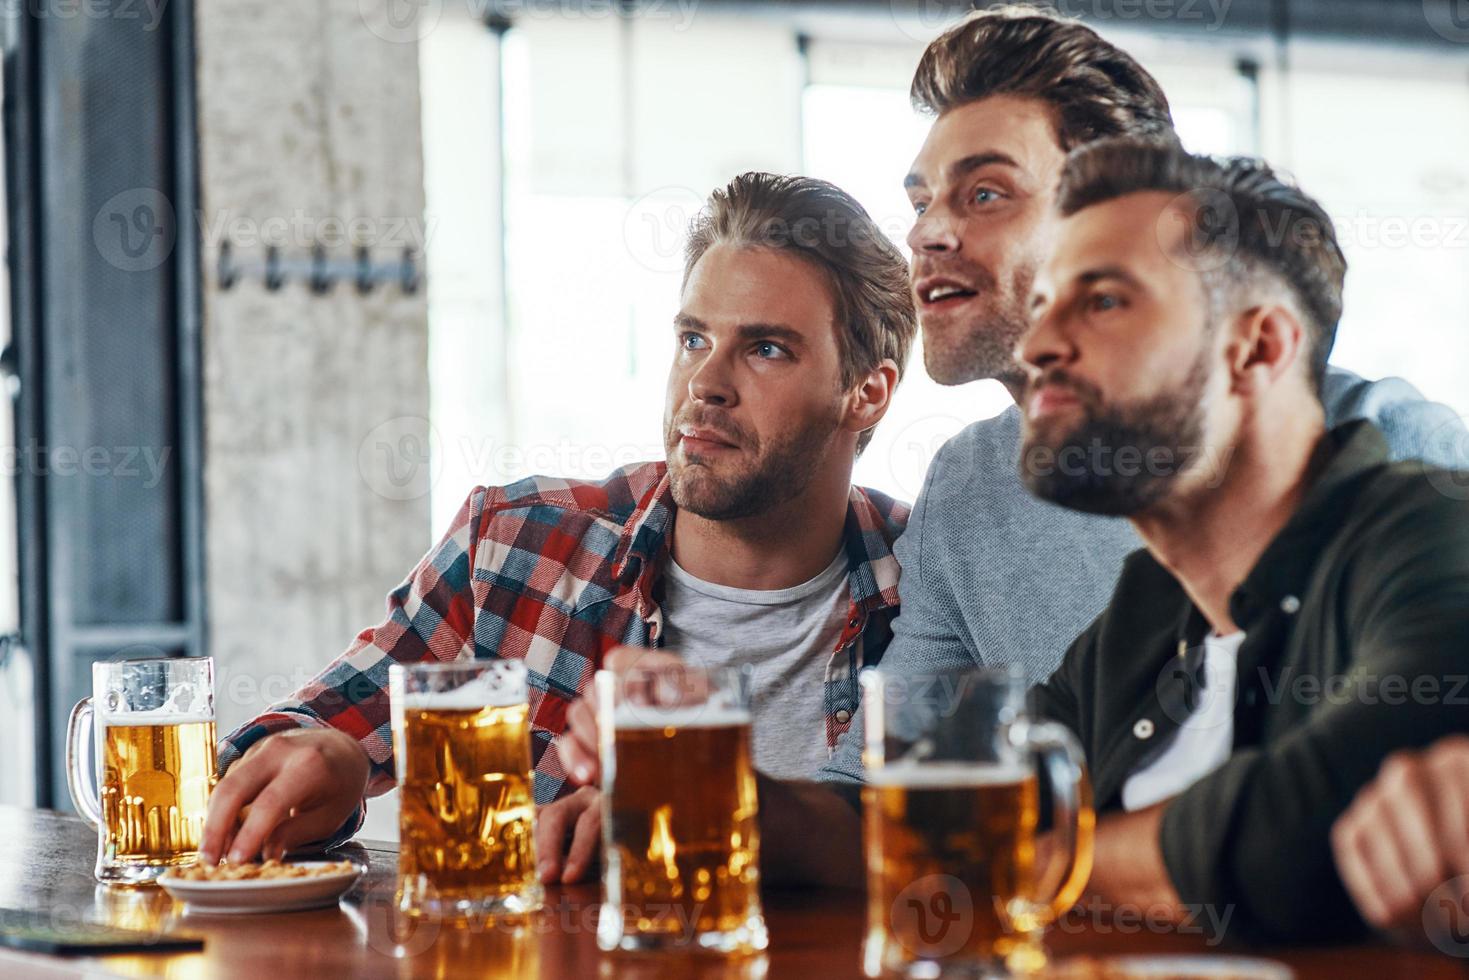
788,635
1203,742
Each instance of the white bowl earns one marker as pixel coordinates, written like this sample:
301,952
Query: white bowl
254,895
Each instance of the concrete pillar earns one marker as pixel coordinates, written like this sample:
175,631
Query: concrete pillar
309,132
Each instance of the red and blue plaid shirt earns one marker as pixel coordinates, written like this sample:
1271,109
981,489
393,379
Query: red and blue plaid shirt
557,573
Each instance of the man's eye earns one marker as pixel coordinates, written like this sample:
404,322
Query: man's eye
986,195
691,341
1104,302
919,207
769,351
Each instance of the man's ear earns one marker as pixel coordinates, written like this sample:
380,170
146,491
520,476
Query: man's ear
868,402
1267,342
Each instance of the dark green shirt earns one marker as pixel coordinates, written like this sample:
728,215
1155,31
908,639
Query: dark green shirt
1356,623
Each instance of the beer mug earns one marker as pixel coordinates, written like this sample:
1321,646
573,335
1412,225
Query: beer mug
152,733
951,809
681,850
461,741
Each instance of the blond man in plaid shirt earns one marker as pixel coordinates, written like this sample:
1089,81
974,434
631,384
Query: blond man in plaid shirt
794,327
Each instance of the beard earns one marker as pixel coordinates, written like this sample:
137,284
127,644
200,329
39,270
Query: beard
770,473
983,347
1121,459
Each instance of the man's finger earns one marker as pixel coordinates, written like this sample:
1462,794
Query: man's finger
270,809
550,832
229,798
1450,779
1385,859
620,660
306,826
585,842
578,744
1353,864
1407,824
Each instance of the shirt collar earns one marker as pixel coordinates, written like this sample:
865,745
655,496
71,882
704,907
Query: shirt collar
1343,458
868,537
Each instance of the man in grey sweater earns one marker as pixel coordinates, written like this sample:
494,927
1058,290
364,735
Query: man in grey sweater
992,576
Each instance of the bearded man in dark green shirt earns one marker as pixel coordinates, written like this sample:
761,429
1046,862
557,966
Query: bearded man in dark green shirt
1302,607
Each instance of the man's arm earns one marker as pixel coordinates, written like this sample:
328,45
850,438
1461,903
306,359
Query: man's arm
318,773
809,835
1256,833
1128,868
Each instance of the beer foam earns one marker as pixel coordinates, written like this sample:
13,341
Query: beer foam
174,711
485,691
635,717
949,775
158,716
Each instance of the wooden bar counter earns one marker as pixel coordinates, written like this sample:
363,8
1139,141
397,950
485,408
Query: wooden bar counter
46,864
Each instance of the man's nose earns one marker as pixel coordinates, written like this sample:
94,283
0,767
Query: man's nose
934,231
712,382
1046,343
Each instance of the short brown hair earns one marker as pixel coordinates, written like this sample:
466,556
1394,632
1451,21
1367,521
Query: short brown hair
1250,222
1095,88
825,226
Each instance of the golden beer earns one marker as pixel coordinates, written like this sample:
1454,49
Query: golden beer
681,840
950,859
950,817
467,808
156,778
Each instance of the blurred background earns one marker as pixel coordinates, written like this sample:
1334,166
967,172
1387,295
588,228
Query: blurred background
285,280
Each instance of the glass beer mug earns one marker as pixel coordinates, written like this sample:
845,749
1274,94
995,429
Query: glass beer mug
951,806
461,739
152,731
681,846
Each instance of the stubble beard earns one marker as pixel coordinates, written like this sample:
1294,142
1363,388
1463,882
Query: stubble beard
782,470
984,348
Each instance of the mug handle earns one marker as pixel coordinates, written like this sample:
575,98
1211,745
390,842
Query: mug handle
83,785
1073,818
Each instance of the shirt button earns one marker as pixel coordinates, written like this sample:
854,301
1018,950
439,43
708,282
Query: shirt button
843,716
1143,729
1290,605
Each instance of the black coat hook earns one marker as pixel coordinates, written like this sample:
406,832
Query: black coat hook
321,279
365,280
408,275
275,276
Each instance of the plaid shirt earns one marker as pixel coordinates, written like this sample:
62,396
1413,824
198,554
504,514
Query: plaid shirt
557,573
